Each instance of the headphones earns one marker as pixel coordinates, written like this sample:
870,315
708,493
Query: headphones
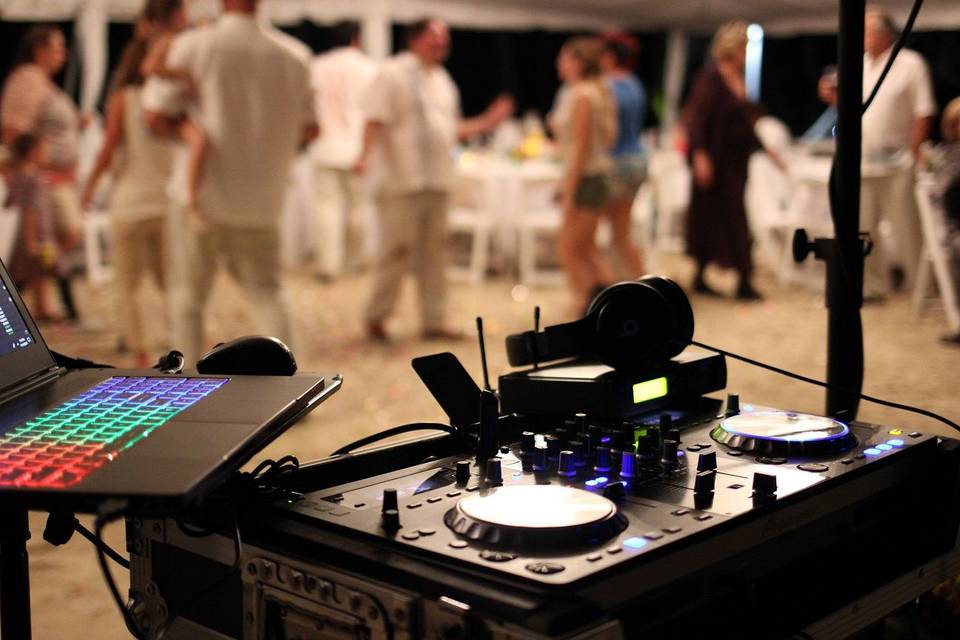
629,325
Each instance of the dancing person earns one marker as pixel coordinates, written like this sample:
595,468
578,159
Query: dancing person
720,129
256,106
585,126
31,102
164,90
35,251
619,58
141,164
413,114
342,78
946,191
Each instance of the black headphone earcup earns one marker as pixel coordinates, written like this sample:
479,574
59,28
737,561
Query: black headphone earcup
683,324
631,325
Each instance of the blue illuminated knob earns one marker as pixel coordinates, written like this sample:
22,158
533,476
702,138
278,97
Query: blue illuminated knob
603,460
567,466
578,449
540,458
628,465
668,455
494,475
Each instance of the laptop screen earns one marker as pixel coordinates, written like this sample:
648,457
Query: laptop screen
23,353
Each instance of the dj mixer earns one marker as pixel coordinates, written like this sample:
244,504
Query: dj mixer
704,519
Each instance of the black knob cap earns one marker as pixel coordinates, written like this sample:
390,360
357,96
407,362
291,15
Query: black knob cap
494,475
389,500
764,485
615,460
528,441
733,404
673,434
567,466
390,519
578,448
628,465
614,491
553,447
705,482
617,440
602,464
707,461
596,433
463,472
581,420
801,245
540,458
648,447
666,422
563,435
668,454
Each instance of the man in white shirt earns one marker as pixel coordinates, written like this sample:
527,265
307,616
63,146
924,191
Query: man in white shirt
894,127
256,106
413,114
341,79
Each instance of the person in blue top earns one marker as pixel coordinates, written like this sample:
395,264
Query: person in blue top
629,160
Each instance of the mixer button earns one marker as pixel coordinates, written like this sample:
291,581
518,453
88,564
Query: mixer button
914,434
593,557
734,453
860,456
672,529
434,500
614,550
704,445
457,544
545,568
653,535
771,460
702,517
339,512
473,488
414,505
452,494
412,535
847,461
491,555
680,512
426,531
813,467
693,448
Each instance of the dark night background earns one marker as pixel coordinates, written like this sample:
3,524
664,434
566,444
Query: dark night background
485,63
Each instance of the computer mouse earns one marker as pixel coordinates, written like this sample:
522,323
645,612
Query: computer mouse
249,356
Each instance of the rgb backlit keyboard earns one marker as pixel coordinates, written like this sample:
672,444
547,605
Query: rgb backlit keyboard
62,446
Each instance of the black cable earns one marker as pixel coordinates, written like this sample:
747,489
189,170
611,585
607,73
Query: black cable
110,511
907,28
111,553
406,428
820,383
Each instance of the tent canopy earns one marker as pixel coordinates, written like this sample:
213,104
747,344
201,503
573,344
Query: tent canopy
776,16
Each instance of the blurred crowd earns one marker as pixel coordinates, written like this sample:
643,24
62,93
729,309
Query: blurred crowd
203,122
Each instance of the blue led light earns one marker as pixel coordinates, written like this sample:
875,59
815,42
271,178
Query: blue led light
872,452
896,442
605,440
635,543
884,447
591,483
602,479
680,454
748,407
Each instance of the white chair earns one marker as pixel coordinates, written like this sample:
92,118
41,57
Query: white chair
470,214
935,257
9,222
669,179
96,241
537,215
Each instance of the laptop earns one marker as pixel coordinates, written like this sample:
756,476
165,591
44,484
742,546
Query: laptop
71,439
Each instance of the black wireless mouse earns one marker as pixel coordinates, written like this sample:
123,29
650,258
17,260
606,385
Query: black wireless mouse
249,356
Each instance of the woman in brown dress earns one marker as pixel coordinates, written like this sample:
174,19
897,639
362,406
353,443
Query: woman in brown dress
719,123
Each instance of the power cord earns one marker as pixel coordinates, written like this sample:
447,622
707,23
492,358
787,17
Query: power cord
395,431
825,385
108,512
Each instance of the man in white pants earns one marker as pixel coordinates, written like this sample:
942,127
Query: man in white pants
341,78
256,106
894,127
413,112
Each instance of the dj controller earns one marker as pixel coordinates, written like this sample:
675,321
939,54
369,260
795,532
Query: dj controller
712,518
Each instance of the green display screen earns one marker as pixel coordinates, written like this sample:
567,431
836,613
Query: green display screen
649,390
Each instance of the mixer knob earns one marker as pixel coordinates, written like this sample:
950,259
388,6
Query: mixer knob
628,465
733,405
596,433
618,440
707,461
577,447
567,466
666,422
389,500
764,485
553,447
540,458
590,445
581,421
705,482
390,520
463,472
528,441
614,491
494,475
603,459
648,447
563,435
668,455
615,460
